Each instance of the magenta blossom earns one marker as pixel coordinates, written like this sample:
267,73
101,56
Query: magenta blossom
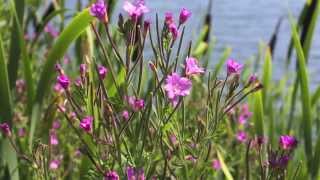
56,124
58,88
22,132
184,15
169,18
136,104
252,79
99,10
241,136
174,31
135,174
192,67
54,164
233,67
191,158
177,86
83,69
245,114
111,175
50,30
135,10
288,142
125,115
5,129
53,138
63,80
86,124
216,165
102,71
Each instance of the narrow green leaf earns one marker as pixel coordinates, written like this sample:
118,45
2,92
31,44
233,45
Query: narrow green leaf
315,97
310,31
224,167
266,76
68,35
5,103
316,159
15,51
305,98
258,113
27,71
10,158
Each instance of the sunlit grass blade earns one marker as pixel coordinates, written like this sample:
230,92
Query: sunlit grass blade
315,97
27,72
5,103
15,51
316,159
315,8
258,113
266,76
6,114
68,35
305,98
224,167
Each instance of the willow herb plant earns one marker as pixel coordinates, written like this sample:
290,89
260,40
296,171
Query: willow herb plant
126,116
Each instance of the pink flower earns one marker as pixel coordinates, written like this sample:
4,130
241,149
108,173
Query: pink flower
216,164
56,124
78,82
184,15
22,132
50,30
169,18
135,10
241,136
58,88
288,142
99,10
191,158
125,115
53,138
83,69
86,124
173,139
111,175
174,31
233,67
177,86
54,164
102,71
5,129
192,67
253,78
20,86
63,80
58,68
135,103
135,174
146,26
245,114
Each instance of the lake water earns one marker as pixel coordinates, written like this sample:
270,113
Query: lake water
242,24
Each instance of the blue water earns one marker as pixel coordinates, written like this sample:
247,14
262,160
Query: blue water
242,25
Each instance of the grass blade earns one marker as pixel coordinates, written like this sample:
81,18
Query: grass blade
305,98
6,113
68,35
15,51
315,97
258,113
224,167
